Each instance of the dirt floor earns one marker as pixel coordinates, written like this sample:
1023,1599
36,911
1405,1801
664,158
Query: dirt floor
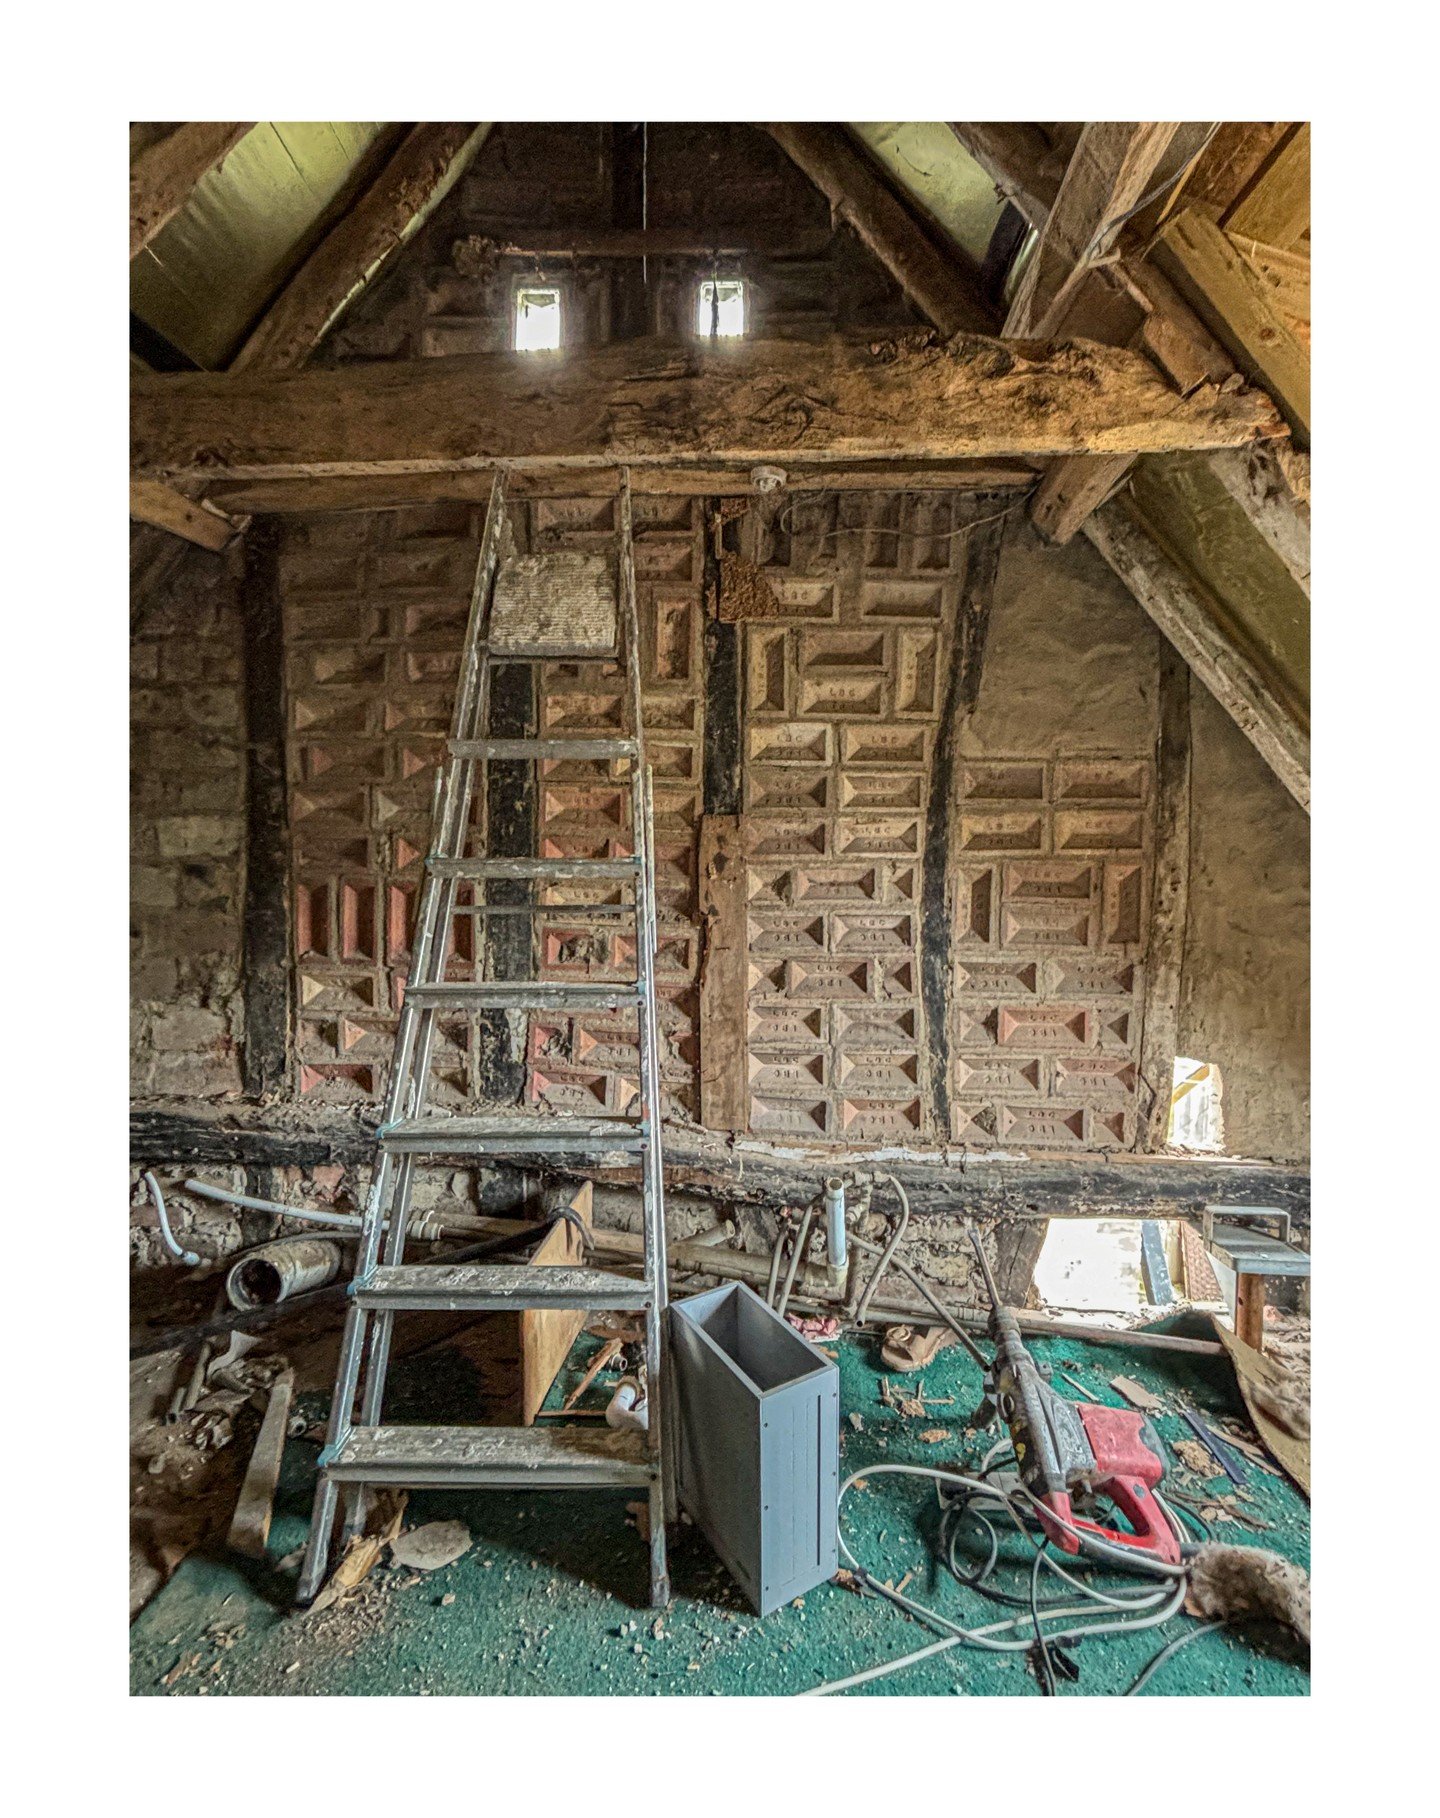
549,1598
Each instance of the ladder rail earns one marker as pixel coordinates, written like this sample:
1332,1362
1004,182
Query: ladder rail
355,1459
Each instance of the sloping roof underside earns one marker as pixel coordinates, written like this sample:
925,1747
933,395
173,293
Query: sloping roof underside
936,172
206,277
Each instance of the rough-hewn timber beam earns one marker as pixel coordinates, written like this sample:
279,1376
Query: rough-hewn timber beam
648,403
196,520
382,222
164,175
936,281
1112,169
747,1170
1019,160
1191,619
1275,496
1274,207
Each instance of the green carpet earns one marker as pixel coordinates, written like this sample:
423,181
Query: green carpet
550,1599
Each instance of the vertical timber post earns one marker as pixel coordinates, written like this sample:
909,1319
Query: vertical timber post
266,965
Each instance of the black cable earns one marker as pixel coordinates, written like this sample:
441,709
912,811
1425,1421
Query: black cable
1172,1647
1047,1682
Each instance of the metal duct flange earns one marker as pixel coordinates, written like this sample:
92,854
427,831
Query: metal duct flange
292,1265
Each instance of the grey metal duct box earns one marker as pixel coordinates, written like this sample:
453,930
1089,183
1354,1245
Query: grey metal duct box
758,1450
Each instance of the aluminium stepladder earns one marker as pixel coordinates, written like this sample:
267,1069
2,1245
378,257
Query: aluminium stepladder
363,1453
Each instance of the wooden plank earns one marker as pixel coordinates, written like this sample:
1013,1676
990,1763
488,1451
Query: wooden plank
1169,903
164,175
250,1524
547,1333
1072,489
1266,488
1190,618
353,254
1274,206
648,403
941,285
1215,280
393,492
722,973
266,955
1113,168
196,520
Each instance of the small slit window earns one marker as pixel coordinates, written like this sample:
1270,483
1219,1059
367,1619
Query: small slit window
720,309
537,319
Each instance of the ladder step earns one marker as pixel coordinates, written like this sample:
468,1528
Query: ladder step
545,750
532,867
481,1288
497,1458
513,1134
522,994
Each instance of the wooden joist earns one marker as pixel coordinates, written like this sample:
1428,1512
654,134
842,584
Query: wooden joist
650,403
1193,621
1113,169
1207,268
382,222
164,175
196,520
937,281
390,492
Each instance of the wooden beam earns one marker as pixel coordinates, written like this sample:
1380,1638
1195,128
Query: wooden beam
1285,276
547,1333
352,255
1111,171
1275,499
1019,160
964,661
1072,489
1113,168
1193,622
267,964
748,1170
649,403
1208,270
391,492
1169,902
723,955
196,520
476,251
1274,206
940,286
164,175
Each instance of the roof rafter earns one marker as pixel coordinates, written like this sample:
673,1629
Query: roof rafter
942,286
164,175
378,226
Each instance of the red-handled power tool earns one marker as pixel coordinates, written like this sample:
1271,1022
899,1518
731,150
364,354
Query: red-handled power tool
1071,1455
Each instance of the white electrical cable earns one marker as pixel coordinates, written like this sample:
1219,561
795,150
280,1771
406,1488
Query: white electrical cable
1147,1611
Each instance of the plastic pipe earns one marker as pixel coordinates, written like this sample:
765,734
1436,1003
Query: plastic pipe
626,1409
349,1221
835,1221
294,1265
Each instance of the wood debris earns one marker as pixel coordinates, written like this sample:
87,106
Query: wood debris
1137,1394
